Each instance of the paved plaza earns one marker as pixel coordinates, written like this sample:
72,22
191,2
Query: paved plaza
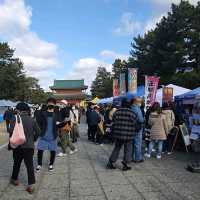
83,176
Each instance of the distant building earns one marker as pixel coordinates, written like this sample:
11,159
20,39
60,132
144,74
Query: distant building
72,91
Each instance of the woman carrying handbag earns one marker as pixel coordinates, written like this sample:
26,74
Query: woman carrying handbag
24,131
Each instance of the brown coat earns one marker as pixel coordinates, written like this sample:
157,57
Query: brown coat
158,126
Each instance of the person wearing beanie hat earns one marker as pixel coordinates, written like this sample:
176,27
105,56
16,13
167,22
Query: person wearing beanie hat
25,151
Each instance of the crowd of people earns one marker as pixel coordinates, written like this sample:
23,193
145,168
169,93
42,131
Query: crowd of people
50,126
128,125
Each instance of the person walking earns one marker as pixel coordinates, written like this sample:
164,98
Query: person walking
158,130
49,132
88,112
137,140
94,120
8,117
74,115
25,151
65,128
124,122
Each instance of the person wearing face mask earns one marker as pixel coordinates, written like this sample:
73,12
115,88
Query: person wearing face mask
49,132
137,140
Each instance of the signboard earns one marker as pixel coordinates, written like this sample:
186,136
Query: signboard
122,84
185,135
132,80
151,85
115,87
167,94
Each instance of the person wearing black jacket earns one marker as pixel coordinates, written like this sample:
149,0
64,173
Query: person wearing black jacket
25,151
94,119
49,132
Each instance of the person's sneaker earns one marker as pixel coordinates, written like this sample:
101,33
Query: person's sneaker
110,166
147,155
30,189
125,166
38,168
60,154
101,145
138,161
169,153
71,152
75,150
14,182
158,156
51,168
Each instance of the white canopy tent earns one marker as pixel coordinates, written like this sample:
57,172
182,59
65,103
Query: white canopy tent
177,90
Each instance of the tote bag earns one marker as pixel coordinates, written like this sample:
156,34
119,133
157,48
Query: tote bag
18,136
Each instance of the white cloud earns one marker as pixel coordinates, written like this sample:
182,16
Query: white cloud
113,55
127,26
151,24
86,68
37,55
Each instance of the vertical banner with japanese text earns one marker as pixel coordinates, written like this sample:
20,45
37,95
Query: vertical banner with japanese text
122,84
151,86
132,80
115,87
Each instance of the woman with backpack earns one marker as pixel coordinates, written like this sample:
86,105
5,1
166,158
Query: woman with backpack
26,150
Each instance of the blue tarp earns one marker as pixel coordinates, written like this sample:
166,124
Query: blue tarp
189,95
140,92
129,95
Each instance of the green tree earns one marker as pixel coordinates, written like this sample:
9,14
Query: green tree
172,45
14,84
119,66
102,85
11,72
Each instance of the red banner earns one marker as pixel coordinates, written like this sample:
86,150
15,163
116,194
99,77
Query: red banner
151,86
115,87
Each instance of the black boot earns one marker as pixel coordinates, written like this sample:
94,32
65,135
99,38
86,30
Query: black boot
125,166
110,165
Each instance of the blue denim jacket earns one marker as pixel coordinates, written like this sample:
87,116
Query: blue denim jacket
136,109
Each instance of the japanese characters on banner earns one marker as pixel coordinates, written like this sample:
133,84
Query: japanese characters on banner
115,87
167,94
122,84
151,85
132,80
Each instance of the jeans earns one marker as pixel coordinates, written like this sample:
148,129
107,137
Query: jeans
18,156
127,151
160,146
137,146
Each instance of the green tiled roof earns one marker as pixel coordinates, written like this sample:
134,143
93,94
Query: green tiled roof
79,96
68,84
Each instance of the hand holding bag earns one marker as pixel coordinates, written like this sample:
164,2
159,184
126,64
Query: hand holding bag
18,136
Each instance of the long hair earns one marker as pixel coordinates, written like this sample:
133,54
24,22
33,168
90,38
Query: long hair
156,108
